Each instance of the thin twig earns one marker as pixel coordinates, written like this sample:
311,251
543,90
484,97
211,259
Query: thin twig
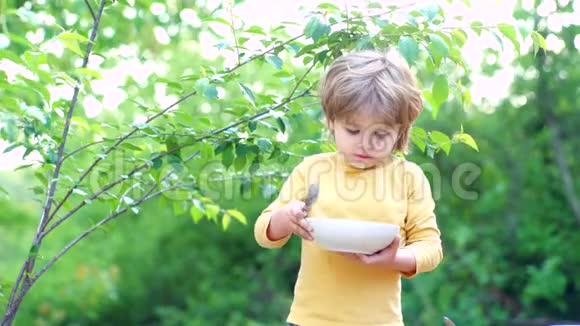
91,10
102,141
231,12
302,79
16,285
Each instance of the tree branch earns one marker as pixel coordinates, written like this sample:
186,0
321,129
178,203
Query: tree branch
102,141
302,79
231,12
91,10
23,280
168,152
239,65
110,149
149,195
16,286
52,188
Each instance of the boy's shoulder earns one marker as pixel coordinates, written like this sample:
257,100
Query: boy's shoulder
410,166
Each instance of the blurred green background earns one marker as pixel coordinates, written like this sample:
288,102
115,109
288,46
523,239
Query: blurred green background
511,251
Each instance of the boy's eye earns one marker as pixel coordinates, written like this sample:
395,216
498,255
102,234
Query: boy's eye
352,131
381,135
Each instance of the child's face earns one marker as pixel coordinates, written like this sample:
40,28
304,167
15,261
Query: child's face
364,141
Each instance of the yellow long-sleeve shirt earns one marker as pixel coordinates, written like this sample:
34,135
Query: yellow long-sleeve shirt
332,290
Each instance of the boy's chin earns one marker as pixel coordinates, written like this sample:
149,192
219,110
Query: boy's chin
361,165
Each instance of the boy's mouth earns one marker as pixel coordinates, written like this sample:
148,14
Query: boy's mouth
362,156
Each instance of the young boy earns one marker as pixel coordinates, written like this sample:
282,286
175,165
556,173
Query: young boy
370,100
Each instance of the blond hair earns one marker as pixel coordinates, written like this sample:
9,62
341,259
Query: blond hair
376,83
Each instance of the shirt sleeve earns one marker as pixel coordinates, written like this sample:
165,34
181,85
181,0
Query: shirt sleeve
423,237
293,189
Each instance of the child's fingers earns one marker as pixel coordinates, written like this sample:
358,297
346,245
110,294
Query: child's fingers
305,225
298,209
395,243
301,232
302,228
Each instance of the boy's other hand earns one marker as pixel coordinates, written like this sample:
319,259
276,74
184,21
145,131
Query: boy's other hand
292,216
385,257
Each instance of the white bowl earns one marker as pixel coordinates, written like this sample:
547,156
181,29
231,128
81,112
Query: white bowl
354,236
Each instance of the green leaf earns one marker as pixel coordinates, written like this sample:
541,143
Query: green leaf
207,151
438,46
11,130
498,38
33,251
241,149
466,97
419,137
316,29
281,125
36,113
467,139
256,30
11,147
228,156
212,211
89,72
329,6
252,125
430,11
283,158
73,36
441,140
157,162
327,147
408,48
240,163
4,54
264,144
477,27
2,190
210,92
248,94
459,36
539,42
237,215
275,61
524,30
311,26
131,147
364,43
510,32
197,211
72,45
255,166
226,221
440,89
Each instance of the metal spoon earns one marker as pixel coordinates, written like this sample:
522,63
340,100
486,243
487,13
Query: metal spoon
311,197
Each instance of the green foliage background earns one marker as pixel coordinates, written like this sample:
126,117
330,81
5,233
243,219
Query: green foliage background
511,253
